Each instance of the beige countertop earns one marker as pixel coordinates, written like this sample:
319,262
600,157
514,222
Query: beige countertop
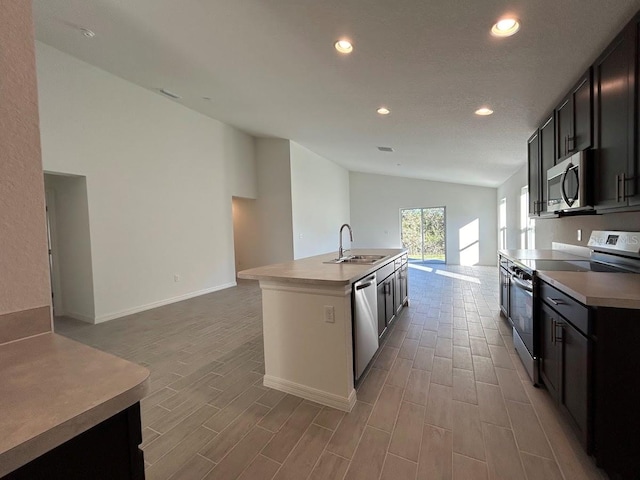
312,270
597,289
540,254
53,388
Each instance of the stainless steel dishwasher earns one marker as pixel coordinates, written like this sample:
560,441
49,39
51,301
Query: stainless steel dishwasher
365,323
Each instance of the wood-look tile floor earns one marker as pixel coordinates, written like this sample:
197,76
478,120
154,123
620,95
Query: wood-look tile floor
445,398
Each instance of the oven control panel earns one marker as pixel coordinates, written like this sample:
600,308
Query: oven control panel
615,242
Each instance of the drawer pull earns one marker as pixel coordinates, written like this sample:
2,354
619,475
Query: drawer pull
556,301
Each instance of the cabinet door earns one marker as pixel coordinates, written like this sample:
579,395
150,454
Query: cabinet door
614,119
574,375
547,156
564,127
389,291
382,314
582,125
404,283
533,155
550,353
504,292
397,301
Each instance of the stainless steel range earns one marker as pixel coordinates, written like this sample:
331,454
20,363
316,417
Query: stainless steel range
614,252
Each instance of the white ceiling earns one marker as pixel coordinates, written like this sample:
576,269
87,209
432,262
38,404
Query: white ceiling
270,69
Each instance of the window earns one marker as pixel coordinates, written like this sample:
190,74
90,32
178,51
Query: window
502,224
423,233
527,225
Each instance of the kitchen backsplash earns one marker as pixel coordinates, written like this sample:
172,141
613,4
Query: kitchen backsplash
565,229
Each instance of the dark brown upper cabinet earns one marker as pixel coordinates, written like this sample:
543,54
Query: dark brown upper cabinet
547,156
533,162
540,157
615,121
574,119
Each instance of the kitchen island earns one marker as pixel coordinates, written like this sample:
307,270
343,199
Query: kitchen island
307,324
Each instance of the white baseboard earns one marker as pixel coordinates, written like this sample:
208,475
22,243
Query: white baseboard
329,399
160,303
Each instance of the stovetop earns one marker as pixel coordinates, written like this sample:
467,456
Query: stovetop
570,266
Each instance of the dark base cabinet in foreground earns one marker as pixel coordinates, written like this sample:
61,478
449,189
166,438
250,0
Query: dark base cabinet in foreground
108,451
617,393
590,366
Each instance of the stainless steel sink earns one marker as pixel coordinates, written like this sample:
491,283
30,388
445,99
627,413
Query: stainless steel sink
359,259
366,257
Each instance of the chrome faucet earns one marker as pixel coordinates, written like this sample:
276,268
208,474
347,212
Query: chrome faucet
341,250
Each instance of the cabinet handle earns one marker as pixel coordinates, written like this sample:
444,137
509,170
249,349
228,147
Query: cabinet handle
553,331
556,301
617,188
566,144
559,325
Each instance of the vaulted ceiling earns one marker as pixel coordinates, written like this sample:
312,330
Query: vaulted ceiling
269,68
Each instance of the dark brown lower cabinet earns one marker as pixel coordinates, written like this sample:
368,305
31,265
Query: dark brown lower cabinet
108,451
564,368
590,366
617,393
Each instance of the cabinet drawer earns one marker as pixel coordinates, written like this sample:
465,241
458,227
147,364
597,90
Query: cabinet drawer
405,259
397,263
573,311
383,272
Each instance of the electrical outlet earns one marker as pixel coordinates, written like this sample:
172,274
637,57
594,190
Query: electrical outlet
579,234
329,314
177,278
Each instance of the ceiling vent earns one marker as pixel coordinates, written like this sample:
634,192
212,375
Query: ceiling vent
385,149
170,94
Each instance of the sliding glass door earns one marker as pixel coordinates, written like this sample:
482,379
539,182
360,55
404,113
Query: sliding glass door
424,233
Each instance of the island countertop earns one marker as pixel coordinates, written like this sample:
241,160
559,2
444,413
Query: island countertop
53,388
312,270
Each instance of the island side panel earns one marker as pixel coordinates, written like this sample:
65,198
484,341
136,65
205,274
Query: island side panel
304,354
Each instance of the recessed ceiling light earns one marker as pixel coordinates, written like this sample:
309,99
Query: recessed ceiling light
344,46
87,33
383,111
505,27
169,94
484,111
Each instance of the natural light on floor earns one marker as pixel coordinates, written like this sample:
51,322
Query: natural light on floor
470,243
445,273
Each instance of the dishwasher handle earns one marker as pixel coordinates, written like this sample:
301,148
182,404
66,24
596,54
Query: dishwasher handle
360,284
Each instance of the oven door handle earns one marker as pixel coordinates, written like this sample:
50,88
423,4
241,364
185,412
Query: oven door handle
524,285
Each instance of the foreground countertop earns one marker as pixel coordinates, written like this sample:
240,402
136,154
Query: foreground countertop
53,388
312,270
540,254
597,289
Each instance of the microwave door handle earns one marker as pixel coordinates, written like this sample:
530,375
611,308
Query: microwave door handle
563,185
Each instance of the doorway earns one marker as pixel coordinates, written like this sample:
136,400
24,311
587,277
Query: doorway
423,232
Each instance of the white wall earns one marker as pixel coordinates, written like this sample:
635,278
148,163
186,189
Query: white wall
71,245
376,201
246,240
320,201
511,190
274,228
240,155
158,189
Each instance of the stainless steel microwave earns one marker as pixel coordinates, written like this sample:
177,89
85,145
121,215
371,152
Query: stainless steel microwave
568,184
